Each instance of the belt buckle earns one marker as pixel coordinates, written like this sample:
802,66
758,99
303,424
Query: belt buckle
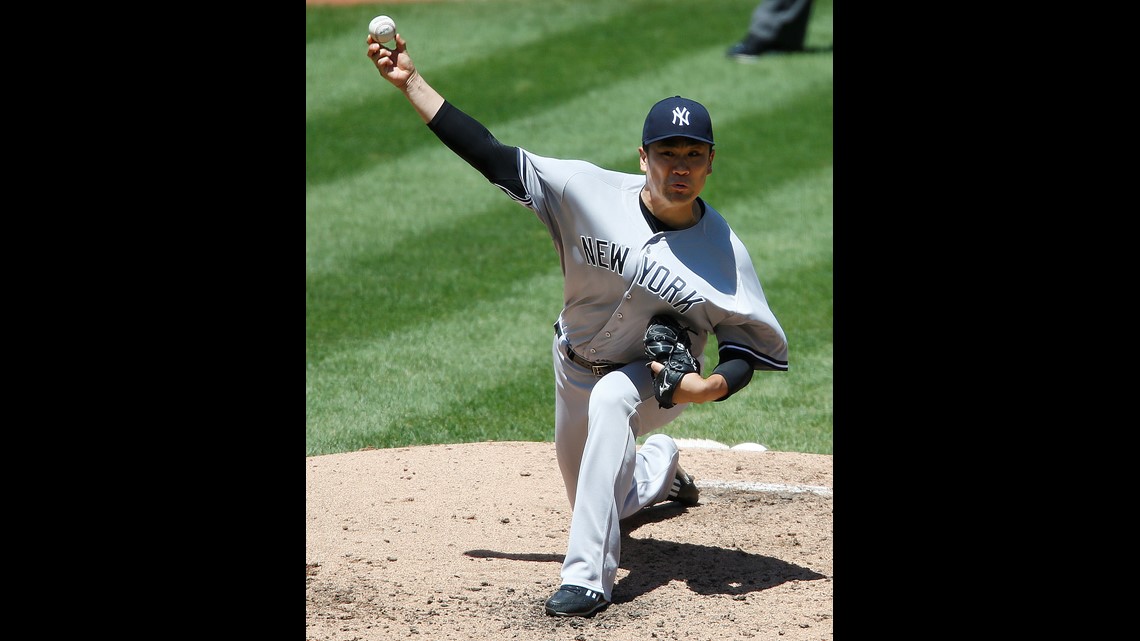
600,370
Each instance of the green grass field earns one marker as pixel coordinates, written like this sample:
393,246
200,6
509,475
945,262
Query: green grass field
430,295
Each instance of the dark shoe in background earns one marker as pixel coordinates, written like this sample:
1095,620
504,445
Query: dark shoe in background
749,50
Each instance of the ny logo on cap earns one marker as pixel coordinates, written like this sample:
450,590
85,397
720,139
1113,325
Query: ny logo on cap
680,116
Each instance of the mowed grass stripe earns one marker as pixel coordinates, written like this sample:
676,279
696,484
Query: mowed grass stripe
572,57
382,211
442,36
394,199
430,375
415,388
412,386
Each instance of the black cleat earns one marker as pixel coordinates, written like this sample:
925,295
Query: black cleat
684,490
574,601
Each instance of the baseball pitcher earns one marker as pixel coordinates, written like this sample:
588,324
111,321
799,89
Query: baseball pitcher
650,271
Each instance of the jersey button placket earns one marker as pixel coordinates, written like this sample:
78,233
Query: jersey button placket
619,316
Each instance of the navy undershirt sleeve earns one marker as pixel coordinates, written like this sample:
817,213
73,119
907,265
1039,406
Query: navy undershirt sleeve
737,373
472,142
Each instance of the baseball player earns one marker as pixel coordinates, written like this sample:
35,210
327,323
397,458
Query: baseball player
634,248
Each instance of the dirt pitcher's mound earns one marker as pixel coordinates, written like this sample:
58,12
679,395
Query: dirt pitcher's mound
466,542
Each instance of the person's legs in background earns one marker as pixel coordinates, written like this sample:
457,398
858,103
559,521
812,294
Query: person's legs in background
775,26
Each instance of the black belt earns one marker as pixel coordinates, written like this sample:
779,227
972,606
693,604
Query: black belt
598,369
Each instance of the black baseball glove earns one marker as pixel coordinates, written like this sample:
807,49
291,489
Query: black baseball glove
667,342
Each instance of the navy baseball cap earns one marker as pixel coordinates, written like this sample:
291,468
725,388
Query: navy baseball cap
677,116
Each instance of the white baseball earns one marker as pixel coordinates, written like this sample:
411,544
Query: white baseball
382,28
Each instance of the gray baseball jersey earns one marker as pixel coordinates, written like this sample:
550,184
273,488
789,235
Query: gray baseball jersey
619,272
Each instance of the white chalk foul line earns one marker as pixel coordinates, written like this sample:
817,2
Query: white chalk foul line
765,487
706,444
